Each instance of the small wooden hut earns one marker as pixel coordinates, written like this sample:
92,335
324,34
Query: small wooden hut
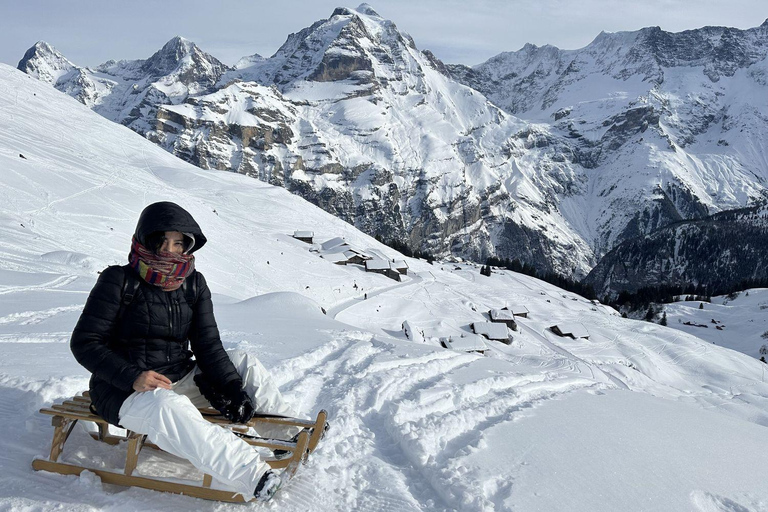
518,310
503,316
401,266
465,343
570,330
304,236
492,331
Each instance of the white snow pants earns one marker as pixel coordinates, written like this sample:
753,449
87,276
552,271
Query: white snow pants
170,419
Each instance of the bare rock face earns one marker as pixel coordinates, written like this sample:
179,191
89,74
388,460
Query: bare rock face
715,252
44,62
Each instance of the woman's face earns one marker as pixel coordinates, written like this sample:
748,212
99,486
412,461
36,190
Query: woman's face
173,241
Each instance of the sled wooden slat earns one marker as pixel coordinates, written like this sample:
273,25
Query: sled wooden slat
61,433
73,415
135,443
215,416
155,484
77,404
73,409
318,430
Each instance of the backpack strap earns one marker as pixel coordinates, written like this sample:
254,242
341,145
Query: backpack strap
189,287
127,294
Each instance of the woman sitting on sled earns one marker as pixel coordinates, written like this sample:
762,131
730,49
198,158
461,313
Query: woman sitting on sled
137,335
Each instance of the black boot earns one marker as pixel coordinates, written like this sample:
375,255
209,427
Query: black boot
268,485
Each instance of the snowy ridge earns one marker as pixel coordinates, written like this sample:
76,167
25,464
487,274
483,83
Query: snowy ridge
534,424
129,92
669,124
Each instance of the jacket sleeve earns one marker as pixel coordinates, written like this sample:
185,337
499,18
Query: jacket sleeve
206,343
95,328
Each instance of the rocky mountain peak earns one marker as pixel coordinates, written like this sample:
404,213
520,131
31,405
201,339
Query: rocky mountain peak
179,54
248,61
344,46
45,63
367,10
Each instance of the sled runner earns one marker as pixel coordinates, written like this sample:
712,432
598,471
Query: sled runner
66,414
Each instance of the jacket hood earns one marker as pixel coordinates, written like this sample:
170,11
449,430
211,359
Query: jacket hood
167,216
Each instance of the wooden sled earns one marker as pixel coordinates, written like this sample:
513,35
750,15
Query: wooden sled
66,414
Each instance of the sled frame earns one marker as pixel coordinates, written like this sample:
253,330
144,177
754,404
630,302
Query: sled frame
66,414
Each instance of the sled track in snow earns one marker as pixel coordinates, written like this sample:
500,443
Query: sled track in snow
59,282
398,417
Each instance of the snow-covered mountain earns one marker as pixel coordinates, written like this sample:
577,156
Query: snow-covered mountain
636,417
670,126
129,91
596,146
349,114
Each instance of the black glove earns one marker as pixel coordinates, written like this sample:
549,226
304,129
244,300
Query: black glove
211,393
232,402
240,408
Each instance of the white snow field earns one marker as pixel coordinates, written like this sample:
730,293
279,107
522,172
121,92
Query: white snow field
739,321
637,417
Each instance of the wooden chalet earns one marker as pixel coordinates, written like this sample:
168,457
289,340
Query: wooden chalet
381,266
503,316
357,257
518,310
334,257
570,330
304,236
401,266
465,343
492,331
333,243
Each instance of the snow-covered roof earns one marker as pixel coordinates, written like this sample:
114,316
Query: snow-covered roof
399,264
412,332
333,242
575,329
351,253
335,257
517,309
303,234
466,343
377,264
501,314
494,331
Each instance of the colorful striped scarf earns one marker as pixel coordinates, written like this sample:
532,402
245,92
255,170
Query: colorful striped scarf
166,269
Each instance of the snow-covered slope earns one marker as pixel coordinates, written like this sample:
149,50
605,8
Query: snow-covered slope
738,321
637,417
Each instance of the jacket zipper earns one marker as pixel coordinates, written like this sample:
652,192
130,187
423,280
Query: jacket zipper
170,325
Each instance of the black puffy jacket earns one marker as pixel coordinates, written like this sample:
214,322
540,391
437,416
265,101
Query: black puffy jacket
155,332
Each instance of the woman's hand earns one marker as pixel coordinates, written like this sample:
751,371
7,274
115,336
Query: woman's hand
149,380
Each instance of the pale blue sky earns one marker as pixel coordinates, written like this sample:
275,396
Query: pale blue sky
89,32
